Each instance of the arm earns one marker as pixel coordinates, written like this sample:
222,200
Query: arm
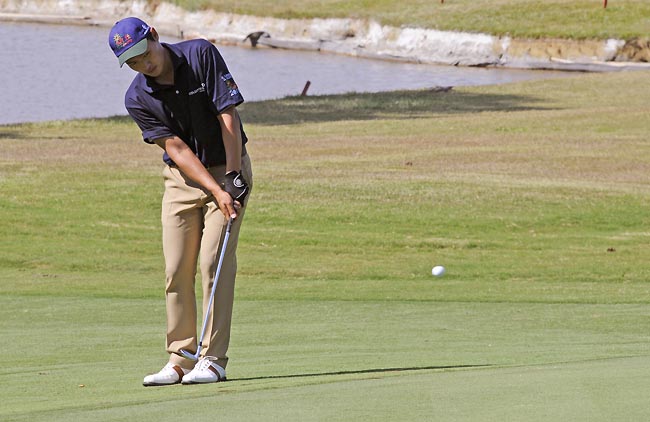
189,164
235,184
232,142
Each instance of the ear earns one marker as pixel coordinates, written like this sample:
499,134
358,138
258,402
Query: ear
154,34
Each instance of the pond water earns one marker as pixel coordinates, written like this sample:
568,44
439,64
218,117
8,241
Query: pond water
52,72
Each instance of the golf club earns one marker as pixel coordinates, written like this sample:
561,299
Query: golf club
195,356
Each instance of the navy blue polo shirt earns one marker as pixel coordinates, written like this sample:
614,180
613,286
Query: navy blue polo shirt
203,87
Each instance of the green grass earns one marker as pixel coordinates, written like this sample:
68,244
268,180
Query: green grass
520,18
533,195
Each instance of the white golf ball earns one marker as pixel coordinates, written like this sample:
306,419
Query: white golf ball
438,271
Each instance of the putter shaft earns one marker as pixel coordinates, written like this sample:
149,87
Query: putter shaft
195,356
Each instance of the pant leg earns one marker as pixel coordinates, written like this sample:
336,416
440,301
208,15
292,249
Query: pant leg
182,224
217,339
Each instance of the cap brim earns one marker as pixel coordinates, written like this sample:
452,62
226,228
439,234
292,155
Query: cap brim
136,50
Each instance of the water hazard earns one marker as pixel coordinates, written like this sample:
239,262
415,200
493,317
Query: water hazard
52,72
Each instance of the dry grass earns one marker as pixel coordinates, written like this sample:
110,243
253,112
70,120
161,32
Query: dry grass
78,142
564,133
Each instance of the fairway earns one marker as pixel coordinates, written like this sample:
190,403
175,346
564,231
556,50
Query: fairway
533,195
334,360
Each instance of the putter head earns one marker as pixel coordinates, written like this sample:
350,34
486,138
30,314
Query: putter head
189,355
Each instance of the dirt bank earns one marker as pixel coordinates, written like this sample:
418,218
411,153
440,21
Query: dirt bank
343,36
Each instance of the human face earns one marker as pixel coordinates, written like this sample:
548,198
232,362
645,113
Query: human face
150,63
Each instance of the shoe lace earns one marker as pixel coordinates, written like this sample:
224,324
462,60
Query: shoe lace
205,362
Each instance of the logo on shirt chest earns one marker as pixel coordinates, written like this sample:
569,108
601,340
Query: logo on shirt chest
197,90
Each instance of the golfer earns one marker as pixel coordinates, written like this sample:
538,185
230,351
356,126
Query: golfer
184,100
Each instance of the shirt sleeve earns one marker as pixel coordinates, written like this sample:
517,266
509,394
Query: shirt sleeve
220,84
152,128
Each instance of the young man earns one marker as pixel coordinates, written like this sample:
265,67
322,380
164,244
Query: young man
183,99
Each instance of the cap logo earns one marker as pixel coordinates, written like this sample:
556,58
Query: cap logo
122,41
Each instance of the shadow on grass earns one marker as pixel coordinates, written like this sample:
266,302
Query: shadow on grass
361,371
384,105
372,106
10,135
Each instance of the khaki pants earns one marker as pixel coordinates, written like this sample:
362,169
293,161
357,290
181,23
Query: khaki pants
193,229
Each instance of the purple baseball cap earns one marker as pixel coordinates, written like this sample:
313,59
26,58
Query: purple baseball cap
128,38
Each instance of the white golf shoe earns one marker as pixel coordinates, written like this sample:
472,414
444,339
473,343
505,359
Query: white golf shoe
170,374
205,371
